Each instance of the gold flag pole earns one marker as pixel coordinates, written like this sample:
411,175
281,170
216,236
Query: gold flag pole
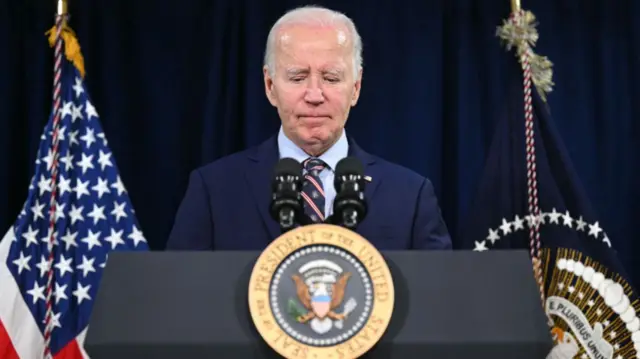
62,9
515,5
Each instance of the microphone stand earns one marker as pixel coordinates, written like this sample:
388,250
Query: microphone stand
347,219
286,219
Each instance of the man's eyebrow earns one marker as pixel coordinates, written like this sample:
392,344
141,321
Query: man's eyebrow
302,71
296,71
336,72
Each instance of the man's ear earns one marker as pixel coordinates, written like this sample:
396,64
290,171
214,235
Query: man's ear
268,86
356,88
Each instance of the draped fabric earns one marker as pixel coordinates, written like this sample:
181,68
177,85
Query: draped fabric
179,84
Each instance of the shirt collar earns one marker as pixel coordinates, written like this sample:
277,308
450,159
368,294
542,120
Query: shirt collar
331,157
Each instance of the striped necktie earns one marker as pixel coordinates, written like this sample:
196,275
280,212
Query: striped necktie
312,191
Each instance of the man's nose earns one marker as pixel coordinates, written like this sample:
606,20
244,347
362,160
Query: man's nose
314,95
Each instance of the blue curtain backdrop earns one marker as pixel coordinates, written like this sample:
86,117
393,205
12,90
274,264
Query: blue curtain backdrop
179,84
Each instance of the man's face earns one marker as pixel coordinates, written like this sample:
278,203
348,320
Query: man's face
314,85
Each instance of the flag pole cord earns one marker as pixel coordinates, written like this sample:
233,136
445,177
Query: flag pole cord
532,178
61,19
519,32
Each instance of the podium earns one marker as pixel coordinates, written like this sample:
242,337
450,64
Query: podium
448,304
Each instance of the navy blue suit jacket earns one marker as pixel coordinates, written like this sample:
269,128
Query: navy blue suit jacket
226,206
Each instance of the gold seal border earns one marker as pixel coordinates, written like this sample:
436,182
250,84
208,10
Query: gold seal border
321,234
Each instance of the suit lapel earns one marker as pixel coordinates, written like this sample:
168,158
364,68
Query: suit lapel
370,169
258,175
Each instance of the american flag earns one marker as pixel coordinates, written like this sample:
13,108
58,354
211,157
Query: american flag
93,216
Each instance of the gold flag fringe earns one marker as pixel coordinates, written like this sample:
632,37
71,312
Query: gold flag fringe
71,46
520,32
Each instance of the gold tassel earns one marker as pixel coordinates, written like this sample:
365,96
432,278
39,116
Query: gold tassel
523,36
71,46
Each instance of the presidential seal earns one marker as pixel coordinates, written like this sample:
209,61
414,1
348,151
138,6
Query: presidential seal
321,291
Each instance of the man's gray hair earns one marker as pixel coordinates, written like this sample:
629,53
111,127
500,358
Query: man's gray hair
313,15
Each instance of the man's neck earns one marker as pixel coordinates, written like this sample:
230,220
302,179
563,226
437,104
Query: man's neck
331,154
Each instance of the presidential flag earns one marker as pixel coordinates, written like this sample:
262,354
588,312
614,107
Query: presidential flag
47,291
530,196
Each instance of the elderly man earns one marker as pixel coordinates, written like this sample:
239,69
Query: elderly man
312,76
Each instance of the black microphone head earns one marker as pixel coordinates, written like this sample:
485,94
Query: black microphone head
286,200
350,205
349,166
288,167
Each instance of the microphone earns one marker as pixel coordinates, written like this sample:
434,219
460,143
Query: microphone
286,201
349,206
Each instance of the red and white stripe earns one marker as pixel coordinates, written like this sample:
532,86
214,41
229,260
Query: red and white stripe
315,184
20,337
313,206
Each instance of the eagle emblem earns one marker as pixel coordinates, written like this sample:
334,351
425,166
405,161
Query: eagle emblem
320,296
566,345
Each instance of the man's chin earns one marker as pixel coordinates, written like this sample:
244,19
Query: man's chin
315,140
316,146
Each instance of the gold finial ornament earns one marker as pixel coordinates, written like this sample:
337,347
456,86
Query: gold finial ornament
515,5
62,8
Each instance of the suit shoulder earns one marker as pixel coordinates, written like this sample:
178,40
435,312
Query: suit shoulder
400,173
228,164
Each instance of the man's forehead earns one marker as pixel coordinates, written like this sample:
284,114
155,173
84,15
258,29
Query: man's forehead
306,34
303,47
